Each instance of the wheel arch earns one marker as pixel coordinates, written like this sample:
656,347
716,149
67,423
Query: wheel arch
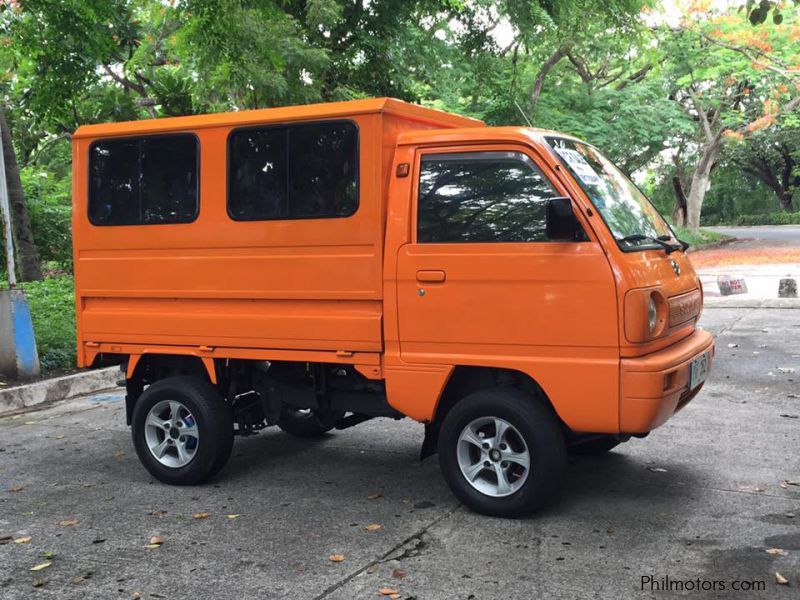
467,379
147,368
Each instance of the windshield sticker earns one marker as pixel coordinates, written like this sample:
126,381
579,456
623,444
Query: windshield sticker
579,166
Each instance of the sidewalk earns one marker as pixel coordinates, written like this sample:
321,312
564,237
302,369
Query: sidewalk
58,388
762,282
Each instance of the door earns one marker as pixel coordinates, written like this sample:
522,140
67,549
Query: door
481,284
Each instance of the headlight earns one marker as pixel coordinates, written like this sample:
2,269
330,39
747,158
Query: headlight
652,314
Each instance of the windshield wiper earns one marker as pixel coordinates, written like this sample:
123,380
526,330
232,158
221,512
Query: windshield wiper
661,240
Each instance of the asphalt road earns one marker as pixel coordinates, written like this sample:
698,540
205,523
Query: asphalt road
700,498
779,233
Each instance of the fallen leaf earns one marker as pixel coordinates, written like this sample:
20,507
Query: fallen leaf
777,552
398,573
780,579
158,513
15,489
69,522
750,488
233,516
387,591
48,555
60,437
374,496
201,515
785,483
371,569
656,469
155,542
23,540
336,557
373,527
41,566
81,578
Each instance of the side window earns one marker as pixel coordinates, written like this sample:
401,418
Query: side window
482,197
144,180
307,171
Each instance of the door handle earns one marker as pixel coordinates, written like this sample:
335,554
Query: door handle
433,276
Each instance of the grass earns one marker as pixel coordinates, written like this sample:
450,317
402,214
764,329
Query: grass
699,237
52,304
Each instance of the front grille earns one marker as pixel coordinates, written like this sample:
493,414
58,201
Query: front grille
684,308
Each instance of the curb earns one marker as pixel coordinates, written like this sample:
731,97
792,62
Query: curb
58,388
733,302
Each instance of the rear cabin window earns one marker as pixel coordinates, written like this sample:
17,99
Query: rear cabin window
482,197
307,171
144,180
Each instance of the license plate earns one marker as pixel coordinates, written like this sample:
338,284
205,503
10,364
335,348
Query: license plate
698,370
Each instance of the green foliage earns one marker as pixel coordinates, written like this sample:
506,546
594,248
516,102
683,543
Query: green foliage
775,218
49,199
52,304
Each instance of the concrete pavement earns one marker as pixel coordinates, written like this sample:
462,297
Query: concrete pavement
700,498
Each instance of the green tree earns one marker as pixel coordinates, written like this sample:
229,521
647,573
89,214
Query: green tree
720,66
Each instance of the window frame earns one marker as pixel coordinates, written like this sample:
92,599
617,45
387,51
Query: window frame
288,125
550,178
197,204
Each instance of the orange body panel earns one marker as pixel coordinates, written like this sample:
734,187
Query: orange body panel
360,290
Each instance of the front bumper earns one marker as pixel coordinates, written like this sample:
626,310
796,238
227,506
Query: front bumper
656,386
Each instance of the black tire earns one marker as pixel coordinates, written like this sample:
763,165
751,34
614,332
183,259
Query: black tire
214,422
595,447
306,424
540,431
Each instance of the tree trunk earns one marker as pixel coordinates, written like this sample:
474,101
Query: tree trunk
700,179
785,199
679,213
27,255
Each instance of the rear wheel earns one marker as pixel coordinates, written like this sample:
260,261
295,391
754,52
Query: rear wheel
306,422
502,453
182,430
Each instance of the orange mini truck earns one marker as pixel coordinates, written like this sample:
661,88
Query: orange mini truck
313,267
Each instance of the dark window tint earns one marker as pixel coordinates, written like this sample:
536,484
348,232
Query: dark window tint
257,185
143,181
293,172
482,197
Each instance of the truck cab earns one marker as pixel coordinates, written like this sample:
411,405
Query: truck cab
314,267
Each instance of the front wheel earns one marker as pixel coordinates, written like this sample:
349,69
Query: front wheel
182,430
502,453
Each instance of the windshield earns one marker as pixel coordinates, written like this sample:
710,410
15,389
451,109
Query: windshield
633,221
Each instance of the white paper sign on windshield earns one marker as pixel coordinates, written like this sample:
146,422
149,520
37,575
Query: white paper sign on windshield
579,166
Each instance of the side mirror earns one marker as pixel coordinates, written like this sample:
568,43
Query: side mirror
562,225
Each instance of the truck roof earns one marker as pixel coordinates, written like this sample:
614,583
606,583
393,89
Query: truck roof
304,112
477,134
